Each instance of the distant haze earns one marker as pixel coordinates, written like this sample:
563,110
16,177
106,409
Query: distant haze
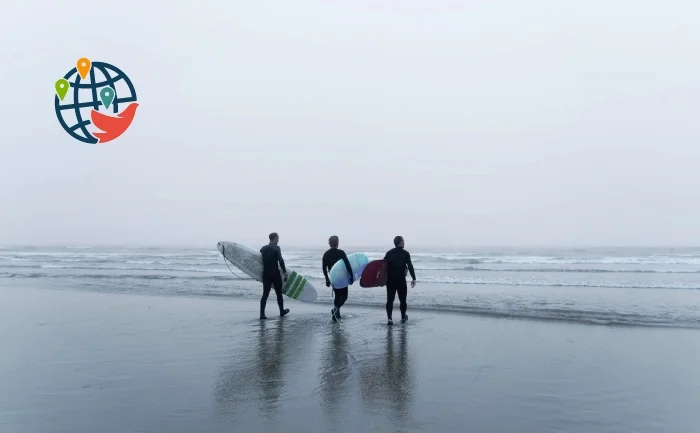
480,123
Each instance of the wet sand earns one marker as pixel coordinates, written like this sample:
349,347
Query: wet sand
88,362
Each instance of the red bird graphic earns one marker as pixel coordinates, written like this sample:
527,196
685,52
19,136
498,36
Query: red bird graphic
113,126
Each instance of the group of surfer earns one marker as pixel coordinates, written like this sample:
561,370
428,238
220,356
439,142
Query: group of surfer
397,259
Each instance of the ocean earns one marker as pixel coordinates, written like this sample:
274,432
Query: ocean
657,287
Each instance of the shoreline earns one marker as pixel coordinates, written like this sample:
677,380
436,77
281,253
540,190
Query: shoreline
456,311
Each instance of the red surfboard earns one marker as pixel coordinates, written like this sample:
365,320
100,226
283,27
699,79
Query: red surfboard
375,274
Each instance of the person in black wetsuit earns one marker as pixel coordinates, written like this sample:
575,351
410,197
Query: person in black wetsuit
397,261
330,258
272,255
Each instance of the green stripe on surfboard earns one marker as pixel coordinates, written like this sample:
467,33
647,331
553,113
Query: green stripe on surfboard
288,283
295,283
298,285
293,287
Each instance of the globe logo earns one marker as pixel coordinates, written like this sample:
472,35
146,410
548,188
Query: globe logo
89,99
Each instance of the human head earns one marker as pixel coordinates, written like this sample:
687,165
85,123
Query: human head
333,241
398,241
274,238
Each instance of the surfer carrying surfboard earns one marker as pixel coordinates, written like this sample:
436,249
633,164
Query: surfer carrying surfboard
271,256
330,257
397,260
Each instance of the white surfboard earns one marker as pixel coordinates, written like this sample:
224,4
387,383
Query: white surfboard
250,262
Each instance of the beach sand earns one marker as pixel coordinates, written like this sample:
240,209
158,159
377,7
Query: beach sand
90,362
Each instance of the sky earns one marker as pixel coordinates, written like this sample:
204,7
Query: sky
450,123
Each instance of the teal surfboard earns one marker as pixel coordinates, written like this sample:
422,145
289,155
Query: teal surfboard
339,274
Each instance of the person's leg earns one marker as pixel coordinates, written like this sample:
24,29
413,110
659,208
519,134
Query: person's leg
402,290
267,285
341,295
390,295
336,304
278,291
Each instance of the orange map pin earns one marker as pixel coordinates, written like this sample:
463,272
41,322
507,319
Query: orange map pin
83,66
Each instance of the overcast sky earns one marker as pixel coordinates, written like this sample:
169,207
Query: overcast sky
540,122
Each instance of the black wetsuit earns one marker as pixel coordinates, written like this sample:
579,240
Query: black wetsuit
330,258
397,261
272,255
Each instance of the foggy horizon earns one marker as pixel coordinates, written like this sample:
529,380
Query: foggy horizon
349,246
479,125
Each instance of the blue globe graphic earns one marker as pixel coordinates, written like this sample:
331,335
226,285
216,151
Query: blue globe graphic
83,97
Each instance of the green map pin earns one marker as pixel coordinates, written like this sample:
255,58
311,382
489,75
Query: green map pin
62,87
107,96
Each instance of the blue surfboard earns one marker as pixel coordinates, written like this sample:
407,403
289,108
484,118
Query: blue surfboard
339,274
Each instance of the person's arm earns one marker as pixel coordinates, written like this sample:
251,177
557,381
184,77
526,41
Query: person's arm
325,270
281,260
410,266
348,267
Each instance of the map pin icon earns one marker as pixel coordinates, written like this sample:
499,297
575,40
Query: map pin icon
107,96
62,87
83,65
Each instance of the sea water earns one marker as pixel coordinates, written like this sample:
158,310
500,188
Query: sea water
611,286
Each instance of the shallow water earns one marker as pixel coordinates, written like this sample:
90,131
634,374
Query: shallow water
77,361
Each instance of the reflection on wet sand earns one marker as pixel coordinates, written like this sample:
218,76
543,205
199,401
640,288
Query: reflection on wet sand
269,363
265,360
278,346
334,375
386,381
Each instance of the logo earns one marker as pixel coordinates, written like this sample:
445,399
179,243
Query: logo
95,102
